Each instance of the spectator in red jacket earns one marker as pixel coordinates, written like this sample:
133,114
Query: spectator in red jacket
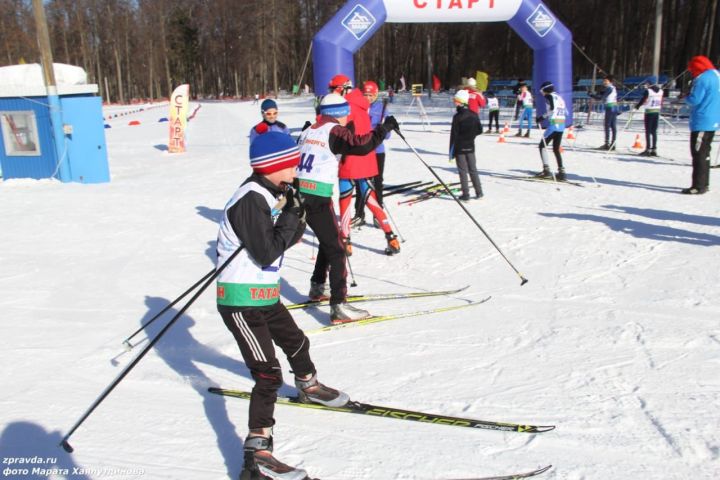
476,99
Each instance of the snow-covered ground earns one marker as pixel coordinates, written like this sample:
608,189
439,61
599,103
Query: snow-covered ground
615,339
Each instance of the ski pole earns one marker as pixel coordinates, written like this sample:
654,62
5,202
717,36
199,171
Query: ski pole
523,280
64,442
387,210
130,346
573,149
612,145
352,275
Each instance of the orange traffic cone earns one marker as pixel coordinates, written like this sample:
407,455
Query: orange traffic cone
571,133
638,143
502,137
506,129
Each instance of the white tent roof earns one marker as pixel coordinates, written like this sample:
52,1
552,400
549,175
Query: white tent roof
27,80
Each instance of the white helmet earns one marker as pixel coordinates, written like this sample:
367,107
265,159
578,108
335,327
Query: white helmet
471,82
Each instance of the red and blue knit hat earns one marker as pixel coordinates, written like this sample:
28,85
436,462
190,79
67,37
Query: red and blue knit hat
272,152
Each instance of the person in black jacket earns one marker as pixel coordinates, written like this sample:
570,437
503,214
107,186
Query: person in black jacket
263,219
465,127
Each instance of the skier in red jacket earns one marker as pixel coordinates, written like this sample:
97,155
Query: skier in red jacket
355,170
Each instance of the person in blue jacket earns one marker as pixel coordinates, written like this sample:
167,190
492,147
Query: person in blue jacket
704,101
270,123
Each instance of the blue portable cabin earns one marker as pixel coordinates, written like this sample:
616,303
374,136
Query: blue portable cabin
27,145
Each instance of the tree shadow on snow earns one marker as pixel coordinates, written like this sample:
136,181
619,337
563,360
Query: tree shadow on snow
666,215
30,441
179,349
644,230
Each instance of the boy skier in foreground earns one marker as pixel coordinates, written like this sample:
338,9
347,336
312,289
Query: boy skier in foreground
265,217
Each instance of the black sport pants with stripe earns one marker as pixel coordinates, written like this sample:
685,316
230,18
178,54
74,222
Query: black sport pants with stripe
255,330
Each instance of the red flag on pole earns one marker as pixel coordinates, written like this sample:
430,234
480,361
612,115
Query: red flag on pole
436,83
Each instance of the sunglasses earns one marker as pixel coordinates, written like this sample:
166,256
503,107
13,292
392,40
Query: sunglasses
341,88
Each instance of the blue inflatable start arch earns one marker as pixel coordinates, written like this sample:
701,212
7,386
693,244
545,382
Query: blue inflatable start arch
357,21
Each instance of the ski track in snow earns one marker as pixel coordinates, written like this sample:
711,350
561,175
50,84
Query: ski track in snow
615,338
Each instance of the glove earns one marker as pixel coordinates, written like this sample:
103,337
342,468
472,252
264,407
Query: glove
294,203
390,124
306,126
261,128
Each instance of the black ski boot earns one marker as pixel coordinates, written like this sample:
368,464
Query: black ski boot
312,391
604,146
318,292
393,245
561,177
653,152
357,222
261,465
546,173
527,135
694,191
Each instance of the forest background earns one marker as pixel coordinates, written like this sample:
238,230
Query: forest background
139,49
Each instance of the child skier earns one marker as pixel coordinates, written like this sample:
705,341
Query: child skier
652,99
355,172
270,123
494,111
378,111
527,109
609,98
265,217
321,146
554,123
465,127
